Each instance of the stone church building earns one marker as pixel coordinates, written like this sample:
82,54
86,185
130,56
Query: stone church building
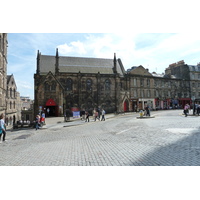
76,83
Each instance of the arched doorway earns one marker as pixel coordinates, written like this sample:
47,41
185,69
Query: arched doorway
126,106
51,108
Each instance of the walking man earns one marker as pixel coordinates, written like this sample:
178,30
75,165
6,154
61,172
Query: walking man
103,115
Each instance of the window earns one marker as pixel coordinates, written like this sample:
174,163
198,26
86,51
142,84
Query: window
134,82
107,84
141,82
148,93
148,82
53,86
46,86
155,83
14,93
10,92
142,93
135,93
89,84
69,84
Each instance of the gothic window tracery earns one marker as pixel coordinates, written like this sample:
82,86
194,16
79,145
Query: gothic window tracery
107,85
53,86
89,84
69,84
47,86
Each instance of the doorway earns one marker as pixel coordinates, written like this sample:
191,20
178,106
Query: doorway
126,106
51,108
51,111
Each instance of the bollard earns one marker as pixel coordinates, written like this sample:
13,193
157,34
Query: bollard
141,113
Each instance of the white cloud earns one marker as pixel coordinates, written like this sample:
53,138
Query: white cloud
153,51
73,47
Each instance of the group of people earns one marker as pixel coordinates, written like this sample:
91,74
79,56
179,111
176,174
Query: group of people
196,109
39,120
2,128
97,114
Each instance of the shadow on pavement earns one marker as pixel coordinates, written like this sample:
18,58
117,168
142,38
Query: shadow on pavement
184,152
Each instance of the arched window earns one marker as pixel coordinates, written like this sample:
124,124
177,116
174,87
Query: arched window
69,84
10,92
10,105
14,93
107,84
89,84
46,86
53,86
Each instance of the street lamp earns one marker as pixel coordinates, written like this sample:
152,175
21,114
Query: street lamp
193,100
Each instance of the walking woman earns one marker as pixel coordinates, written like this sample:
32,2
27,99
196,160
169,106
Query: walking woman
186,110
87,116
3,128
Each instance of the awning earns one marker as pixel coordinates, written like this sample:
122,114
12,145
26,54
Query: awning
50,102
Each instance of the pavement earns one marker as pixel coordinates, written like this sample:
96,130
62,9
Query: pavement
167,139
56,122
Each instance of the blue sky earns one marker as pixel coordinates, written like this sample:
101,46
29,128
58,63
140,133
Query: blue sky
154,51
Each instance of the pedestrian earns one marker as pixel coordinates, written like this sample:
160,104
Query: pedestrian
48,110
3,128
96,116
43,117
103,115
198,109
37,122
99,113
186,110
87,116
147,111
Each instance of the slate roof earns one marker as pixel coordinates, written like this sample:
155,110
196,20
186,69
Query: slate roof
82,64
194,68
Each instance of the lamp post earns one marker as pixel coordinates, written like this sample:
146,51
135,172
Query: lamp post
193,100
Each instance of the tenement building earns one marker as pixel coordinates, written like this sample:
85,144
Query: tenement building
77,83
3,71
13,102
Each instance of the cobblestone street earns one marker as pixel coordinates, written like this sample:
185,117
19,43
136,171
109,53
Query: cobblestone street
168,139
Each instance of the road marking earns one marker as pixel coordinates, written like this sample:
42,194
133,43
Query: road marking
123,131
